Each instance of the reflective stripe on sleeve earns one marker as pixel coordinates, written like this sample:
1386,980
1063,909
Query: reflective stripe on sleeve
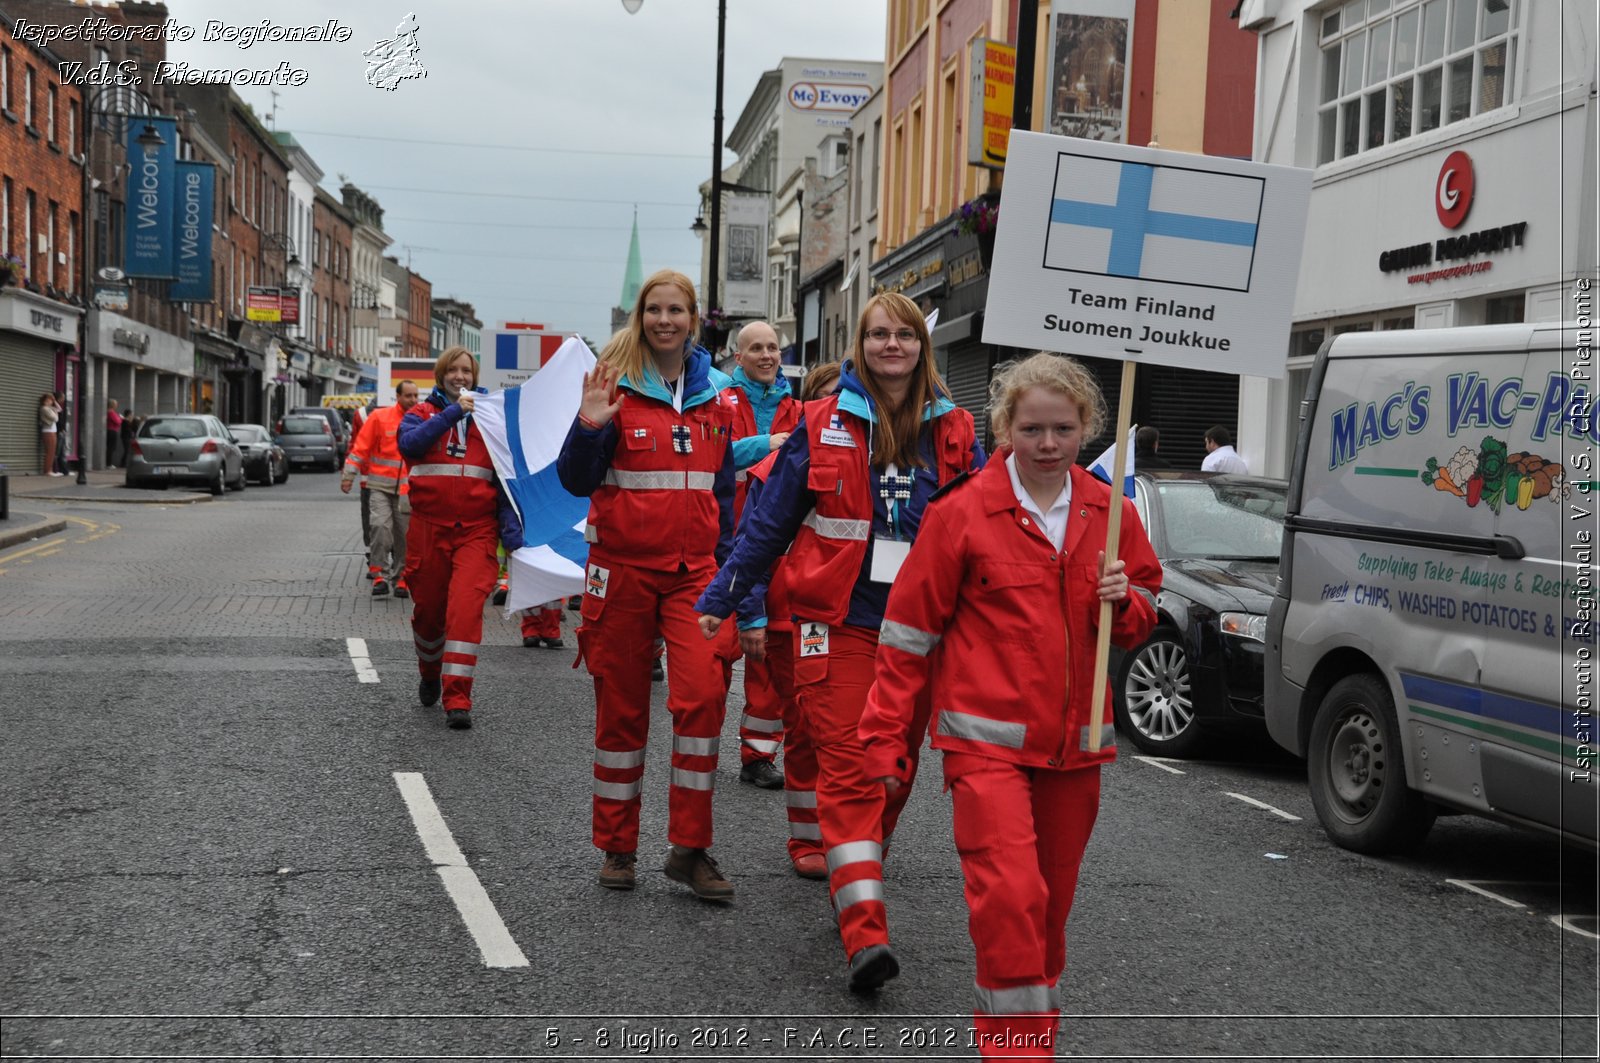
389,462
981,729
1108,738
908,638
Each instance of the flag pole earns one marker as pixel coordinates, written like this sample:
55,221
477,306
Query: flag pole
1119,466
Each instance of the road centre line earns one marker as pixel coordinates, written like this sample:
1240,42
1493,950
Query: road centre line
360,658
1262,804
1155,762
483,922
1469,887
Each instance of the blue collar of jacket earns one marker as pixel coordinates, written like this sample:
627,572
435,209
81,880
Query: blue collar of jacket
761,394
699,385
853,398
438,399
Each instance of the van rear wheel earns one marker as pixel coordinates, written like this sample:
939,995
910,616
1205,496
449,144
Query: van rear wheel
1357,771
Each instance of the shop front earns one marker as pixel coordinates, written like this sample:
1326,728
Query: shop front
38,348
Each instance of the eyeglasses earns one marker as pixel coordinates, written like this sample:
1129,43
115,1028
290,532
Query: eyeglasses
881,335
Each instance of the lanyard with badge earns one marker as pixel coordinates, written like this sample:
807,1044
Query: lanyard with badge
890,552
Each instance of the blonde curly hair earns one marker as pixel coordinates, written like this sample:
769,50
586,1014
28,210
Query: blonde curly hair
1053,372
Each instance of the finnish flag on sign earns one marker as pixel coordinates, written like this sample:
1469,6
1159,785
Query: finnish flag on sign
524,428
1158,223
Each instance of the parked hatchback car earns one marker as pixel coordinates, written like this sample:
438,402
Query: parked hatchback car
336,423
1201,668
264,459
185,448
309,440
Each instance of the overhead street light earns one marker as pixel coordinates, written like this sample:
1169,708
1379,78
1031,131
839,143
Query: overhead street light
632,7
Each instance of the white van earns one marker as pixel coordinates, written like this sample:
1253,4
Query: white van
1431,645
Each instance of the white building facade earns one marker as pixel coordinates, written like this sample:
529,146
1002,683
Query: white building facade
1453,150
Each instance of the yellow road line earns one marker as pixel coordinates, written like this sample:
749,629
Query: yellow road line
45,549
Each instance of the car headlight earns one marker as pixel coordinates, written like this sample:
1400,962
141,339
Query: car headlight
1245,625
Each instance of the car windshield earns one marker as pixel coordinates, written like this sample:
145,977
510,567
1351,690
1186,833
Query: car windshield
173,428
248,433
1218,518
304,426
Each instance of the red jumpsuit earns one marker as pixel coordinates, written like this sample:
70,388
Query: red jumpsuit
983,600
450,546
661,485
542,621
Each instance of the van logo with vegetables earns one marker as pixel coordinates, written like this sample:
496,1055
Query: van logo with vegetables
1495,478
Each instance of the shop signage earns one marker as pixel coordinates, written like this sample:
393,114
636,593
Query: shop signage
1452,192
152,196
23,311
135,341
112,296
289,306
914,275
994,76
46,322
1452,199
262,304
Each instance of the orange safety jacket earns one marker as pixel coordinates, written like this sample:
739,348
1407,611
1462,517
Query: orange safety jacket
376,453
1003,626
831,545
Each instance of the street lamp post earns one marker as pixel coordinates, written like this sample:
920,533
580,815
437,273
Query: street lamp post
115,121
292,276
632,7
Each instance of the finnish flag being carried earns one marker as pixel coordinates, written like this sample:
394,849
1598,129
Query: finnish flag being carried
1103,465
1157,223
523,428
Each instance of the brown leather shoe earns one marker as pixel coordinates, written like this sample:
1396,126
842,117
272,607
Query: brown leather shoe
617,871
695,869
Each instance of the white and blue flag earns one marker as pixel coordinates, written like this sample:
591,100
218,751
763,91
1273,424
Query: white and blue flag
1102,466
1156,223
523,428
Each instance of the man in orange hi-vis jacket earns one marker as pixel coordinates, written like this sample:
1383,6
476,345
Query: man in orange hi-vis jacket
376,456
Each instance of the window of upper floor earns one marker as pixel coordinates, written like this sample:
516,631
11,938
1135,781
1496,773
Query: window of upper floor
1393,69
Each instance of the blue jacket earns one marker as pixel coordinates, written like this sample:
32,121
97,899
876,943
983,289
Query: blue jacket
764,400
766,533
586,452
418,435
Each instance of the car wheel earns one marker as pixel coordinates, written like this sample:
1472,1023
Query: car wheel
1154,703
217,486
243,481
283,477
1357,771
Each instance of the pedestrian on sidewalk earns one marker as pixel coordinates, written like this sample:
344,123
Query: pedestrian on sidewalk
113,434
764,413
375,457
845,498
1220,455
651,448
49,416
1007,577
62,430
458,515
129,429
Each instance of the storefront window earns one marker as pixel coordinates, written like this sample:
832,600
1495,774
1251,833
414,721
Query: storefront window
1393,70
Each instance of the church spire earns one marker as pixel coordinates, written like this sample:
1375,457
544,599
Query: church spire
634,277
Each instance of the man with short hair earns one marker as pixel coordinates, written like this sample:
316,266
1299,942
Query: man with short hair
1220,455
375,456
1146,444
764,413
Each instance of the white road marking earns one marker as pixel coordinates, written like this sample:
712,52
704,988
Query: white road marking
1507,901
1153,762
1262,804
460,881
358,656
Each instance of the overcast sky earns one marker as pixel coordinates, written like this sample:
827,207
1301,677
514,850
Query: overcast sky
509,174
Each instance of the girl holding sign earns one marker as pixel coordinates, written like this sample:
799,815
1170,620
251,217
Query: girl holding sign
847,490
1010,567
652,449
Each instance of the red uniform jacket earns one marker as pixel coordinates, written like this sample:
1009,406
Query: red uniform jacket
1003,627
744,426
831,546
450,482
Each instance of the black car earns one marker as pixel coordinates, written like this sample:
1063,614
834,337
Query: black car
1200,670
264,460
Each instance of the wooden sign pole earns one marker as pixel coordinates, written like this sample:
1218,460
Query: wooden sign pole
1119,466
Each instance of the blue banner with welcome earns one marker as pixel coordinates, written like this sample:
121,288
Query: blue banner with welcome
152,196
192,233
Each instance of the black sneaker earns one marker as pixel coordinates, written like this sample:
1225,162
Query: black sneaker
458,719
657,673
380,588
575,603
530,641
500,595
554,644
871,967
762,773
428,692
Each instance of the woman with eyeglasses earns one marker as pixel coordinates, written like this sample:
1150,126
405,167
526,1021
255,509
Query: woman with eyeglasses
845,498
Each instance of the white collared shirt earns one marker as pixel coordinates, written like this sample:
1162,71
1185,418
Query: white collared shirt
1053,523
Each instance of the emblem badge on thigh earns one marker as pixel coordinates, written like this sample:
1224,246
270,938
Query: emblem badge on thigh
597,580
814,639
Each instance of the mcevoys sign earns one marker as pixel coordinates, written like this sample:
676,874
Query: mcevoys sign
1453,191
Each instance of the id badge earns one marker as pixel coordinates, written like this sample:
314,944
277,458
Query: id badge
887,557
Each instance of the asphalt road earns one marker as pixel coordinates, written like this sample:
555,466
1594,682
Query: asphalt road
208,852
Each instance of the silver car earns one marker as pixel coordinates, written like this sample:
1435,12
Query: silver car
185,448
309,440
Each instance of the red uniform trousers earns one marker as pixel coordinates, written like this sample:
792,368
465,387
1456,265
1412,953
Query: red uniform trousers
856,817
542,622
773,679
761,726
1021,833
615,639
450,570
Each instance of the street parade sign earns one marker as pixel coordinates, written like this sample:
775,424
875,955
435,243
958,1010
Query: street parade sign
1144,255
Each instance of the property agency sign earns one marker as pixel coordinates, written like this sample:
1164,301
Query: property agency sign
1146,255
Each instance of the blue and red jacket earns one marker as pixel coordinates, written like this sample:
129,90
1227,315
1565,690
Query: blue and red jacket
792,499
452,479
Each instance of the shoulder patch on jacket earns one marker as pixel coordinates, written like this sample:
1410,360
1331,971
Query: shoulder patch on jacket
951,486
